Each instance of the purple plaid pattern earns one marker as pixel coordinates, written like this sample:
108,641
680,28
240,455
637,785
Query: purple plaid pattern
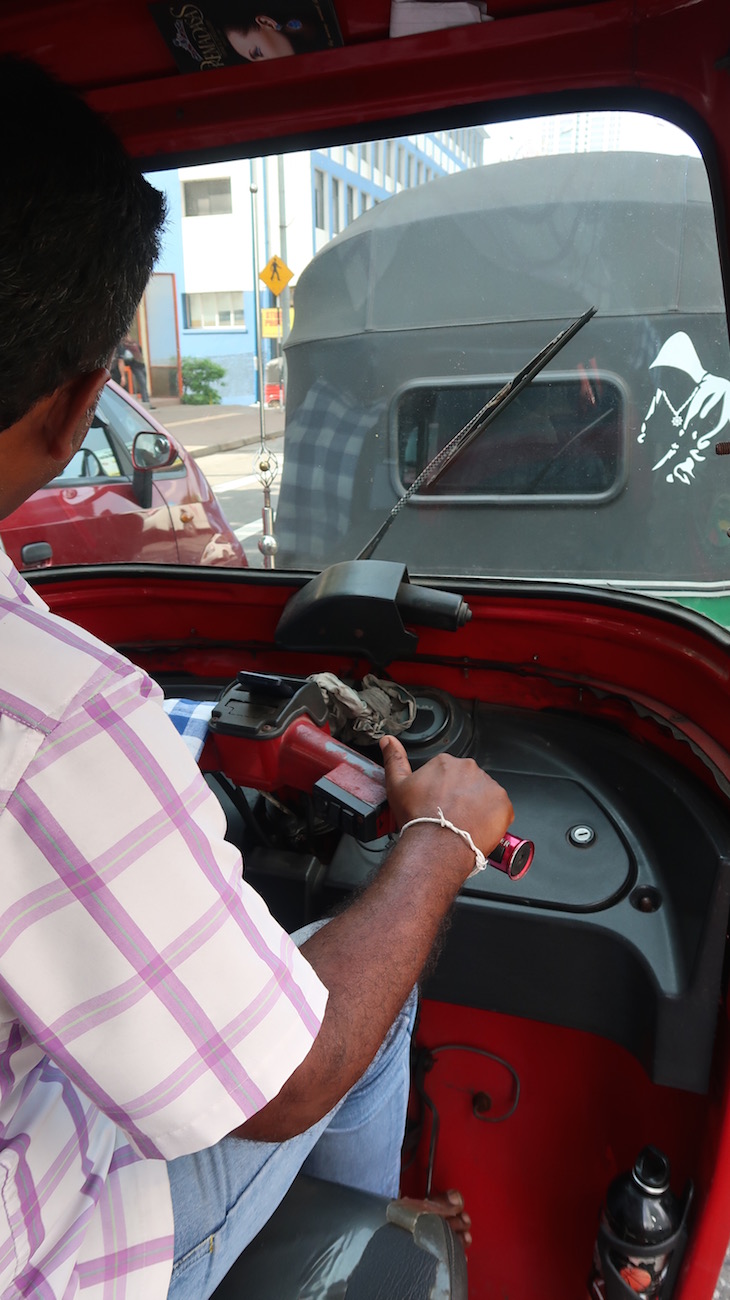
148,1001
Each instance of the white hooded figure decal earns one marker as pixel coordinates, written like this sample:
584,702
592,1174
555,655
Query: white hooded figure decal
708,400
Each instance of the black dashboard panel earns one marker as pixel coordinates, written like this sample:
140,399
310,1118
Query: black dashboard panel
621,933
619,926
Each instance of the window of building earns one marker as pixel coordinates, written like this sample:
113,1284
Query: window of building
351,203
390,158
214,310
401,165
319,199
211,198
336,206
566,140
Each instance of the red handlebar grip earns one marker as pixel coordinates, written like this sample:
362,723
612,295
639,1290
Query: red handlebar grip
513,856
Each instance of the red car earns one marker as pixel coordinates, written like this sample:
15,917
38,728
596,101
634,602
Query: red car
132,492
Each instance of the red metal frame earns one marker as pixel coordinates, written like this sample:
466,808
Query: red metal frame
586,1106
620,660
584,1111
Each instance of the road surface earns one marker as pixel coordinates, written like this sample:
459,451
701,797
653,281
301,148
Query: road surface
233,477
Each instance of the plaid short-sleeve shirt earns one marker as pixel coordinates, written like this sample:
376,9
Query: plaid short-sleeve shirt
149,1003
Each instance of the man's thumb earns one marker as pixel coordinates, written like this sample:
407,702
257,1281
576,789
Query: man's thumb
395,759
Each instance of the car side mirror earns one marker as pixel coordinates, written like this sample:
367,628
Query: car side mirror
150,451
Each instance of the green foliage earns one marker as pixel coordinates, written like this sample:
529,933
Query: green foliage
200,377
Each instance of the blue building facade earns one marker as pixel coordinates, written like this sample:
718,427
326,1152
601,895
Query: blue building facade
209,237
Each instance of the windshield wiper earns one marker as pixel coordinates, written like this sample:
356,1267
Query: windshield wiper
476,425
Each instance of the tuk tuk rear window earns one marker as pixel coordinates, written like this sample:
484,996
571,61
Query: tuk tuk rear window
563,436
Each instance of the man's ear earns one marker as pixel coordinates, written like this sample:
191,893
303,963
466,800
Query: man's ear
70,413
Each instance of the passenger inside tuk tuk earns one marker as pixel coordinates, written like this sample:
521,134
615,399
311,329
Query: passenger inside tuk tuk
151,1005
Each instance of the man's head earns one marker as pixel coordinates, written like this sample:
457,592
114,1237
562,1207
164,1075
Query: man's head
79,235
79,230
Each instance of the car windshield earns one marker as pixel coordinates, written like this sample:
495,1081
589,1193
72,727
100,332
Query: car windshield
322,324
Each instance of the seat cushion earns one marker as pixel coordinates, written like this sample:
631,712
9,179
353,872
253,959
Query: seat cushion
327,1242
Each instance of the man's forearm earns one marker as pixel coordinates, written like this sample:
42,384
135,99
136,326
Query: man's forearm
369,957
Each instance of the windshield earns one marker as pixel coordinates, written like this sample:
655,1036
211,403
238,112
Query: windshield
322,324
603,471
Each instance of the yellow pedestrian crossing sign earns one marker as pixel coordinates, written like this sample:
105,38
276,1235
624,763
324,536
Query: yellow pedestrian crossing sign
276,275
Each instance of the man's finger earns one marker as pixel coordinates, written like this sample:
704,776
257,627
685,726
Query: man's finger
395,760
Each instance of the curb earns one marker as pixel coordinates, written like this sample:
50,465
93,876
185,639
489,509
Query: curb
214,449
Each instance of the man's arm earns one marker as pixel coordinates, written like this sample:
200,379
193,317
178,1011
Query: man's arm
370,956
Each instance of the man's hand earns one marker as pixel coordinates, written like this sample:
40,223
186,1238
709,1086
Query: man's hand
458,786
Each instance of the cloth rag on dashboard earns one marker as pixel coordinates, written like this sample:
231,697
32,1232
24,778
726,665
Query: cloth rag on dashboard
190,718
379,708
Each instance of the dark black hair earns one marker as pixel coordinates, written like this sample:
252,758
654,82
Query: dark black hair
79,235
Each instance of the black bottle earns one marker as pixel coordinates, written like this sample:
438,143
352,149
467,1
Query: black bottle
640,1211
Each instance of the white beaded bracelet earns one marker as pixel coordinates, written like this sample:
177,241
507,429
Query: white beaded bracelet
481,861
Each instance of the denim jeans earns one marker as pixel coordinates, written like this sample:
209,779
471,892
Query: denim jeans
223,1196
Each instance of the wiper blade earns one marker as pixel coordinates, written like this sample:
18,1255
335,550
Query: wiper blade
476,425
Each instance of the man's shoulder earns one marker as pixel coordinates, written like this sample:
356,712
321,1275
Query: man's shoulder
47,664
50,671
